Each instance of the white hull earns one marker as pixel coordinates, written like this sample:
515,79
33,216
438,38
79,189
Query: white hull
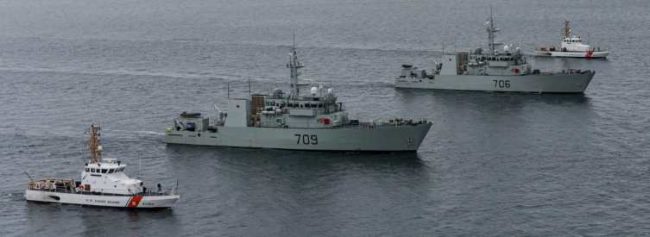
378,138
135,201
531,83
572,54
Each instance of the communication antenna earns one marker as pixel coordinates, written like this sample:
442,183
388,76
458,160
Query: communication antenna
294,65
443,47
566,31
175,189
139,165
215,107
29,176
491,29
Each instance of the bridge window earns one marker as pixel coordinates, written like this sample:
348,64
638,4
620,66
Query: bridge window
87,169
104,171
92,170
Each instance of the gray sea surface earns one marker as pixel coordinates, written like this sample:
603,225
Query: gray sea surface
492,165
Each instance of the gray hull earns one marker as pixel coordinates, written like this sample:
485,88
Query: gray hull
598,54
532,83
354,138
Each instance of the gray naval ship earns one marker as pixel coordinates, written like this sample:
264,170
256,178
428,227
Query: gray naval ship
315,121
505,71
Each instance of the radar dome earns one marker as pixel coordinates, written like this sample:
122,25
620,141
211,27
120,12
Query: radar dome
314,90
277,92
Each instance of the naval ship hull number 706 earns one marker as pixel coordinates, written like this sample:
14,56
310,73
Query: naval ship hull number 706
501,83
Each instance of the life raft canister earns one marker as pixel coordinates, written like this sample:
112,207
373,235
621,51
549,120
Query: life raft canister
515,70
325,121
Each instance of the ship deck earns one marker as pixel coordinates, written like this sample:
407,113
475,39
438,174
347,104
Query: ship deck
65,190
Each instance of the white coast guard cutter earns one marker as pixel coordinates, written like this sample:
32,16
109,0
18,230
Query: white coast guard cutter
572,46
103,183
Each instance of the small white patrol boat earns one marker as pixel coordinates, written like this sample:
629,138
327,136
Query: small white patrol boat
572,47
103,183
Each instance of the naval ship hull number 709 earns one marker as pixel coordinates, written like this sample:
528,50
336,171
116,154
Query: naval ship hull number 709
307,139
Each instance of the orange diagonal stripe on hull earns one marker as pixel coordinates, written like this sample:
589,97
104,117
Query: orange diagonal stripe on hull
135,201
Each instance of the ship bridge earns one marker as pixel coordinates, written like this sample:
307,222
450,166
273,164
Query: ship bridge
319,109
106,166
107,176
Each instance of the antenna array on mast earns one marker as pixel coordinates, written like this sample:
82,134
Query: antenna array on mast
94,144
491,29
293,66
567,29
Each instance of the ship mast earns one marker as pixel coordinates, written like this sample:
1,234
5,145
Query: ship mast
293,66
567,29
94,144
491,29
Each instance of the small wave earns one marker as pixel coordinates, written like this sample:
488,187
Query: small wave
13,196
138,132
134,72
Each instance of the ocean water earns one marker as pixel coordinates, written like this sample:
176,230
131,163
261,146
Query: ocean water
492,165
